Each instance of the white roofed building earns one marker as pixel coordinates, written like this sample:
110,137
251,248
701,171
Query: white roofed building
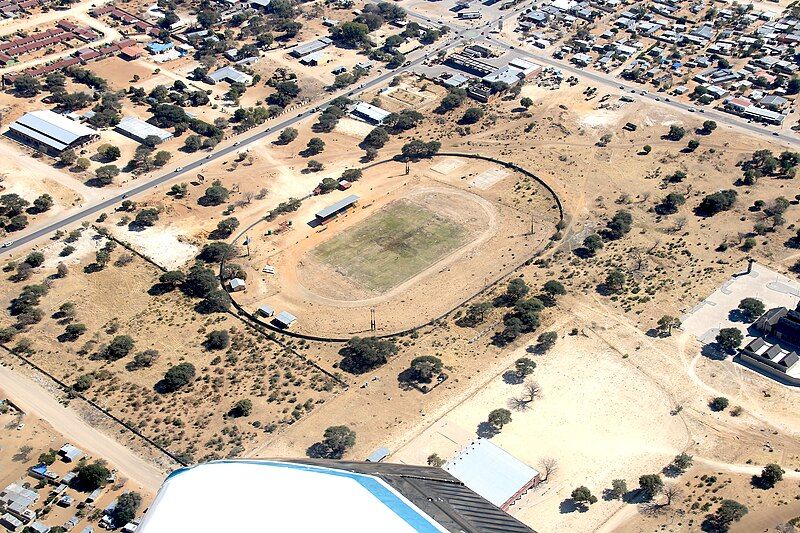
51,132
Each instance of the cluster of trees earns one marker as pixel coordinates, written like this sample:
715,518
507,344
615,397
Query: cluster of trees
764,163
328,119
616,228
717,202
251,117
362,354
417,149
200,282
423,369
215,195
12,212
285,92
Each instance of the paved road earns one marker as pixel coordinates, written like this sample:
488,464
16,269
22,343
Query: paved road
217,154
36,400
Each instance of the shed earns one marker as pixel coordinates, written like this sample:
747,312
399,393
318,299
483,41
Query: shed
69,453
38,527
285,319
231,75
336,208
378,455
266,310
10,521
237,284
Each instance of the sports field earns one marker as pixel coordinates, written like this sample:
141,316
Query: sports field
391,246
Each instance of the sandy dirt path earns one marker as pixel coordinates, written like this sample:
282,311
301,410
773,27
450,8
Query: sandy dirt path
33,398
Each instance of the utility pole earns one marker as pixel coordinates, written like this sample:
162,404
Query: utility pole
247,243
408,168
372,324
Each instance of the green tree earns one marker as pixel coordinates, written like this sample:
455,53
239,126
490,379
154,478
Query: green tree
178,376
719,403
172,277
83,383
682,462
26,85
226,226
217,340
35,259
592,243
729,339
336,441
524,366
676,133
516,290
315,146
526,102
650,485
287,136
472,115
618,489
376,138
499,418
728,512
693,145
67,157
215,195
92,476
146,217
425,367
751,308
476,314
119,347
73,331
709,126
666,323
106,174
615,281
770,475
583,495
545,341
242,408
109,152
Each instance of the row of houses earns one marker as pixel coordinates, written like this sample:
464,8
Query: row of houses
12,8
82,56
138,24
63,33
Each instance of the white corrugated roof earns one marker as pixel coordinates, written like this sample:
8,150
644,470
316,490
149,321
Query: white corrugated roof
53,126
490,471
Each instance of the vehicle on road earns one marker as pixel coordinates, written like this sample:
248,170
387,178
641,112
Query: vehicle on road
776,134
691,110
642,92
19,427
666,99
702,110
7,244
209,156
237,143
178,169
622,87
658,99
124,196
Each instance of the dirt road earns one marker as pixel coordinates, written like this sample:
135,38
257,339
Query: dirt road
34,399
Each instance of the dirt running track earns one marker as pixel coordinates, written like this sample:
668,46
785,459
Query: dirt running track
34,399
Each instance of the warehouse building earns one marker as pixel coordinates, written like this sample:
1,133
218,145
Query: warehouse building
321,495
304,49
139,130
50,132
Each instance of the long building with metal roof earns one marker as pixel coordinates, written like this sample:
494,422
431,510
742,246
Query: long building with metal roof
139,130
50,132
334,209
